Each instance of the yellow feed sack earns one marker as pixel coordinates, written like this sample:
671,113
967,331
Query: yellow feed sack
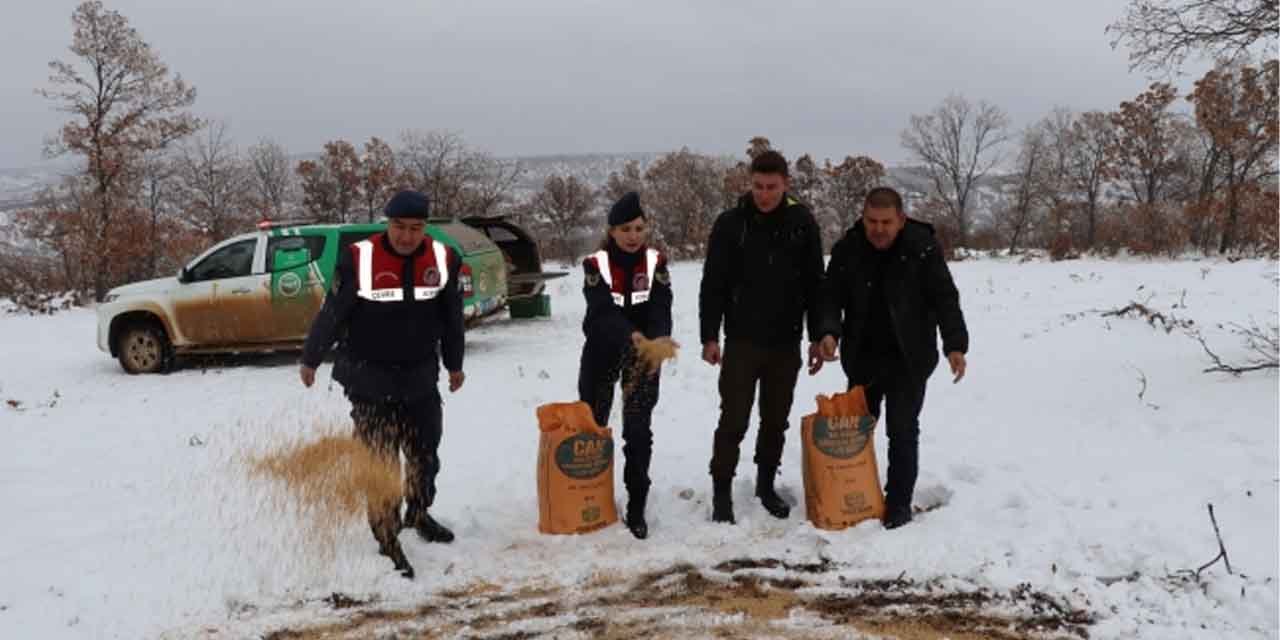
841,479
575,470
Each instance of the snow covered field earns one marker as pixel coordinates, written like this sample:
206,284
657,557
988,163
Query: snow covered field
127,515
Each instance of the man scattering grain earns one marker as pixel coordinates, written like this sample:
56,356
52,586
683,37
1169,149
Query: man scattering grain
395,297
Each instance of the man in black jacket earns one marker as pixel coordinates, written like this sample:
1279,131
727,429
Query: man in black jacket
887,294
395,298
761,276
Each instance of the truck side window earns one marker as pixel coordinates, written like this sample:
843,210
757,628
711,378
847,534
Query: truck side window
314,245
498,234
347,237
231,261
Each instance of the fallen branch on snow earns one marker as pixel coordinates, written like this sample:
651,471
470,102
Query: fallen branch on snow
1182,574
1222,549
1169,322
1263,343
1222,553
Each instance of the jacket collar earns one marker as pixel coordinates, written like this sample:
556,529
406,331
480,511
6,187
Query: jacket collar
618,256
858,233
748,204
386,244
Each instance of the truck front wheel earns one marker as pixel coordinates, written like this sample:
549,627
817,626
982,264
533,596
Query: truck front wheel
143,348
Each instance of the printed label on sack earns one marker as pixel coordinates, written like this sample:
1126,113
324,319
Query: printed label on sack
584,456
842,437
855,503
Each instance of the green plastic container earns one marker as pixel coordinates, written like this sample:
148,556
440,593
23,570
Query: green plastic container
531,307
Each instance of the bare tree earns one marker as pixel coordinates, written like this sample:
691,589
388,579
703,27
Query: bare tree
1092,134
124,103
270,179
1059,221
684,191
845,186
1162,34
1237,106
808,182
957,143
1144,157
619,184
490,186
212,181
1142,150
319,190
439,164
377,169
62,221
563,205
1030,191
806,179
735,182
331,185
156,177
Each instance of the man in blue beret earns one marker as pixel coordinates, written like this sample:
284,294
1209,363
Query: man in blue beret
397,306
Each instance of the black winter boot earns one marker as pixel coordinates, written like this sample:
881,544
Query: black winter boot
722,500
392,550
430,530
635,513
386,524
773,503
896,515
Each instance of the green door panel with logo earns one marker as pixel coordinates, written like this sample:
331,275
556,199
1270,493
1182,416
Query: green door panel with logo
297,283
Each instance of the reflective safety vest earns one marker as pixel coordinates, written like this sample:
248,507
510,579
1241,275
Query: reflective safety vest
378,271
640,286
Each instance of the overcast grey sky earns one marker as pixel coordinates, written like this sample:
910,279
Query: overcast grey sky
519,77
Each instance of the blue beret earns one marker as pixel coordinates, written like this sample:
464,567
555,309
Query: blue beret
407,204
626,209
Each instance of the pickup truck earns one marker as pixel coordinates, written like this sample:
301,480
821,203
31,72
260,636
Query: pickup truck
259,291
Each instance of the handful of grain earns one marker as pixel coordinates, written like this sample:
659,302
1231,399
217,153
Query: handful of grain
650,354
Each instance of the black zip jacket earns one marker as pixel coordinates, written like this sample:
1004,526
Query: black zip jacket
918,291
762,275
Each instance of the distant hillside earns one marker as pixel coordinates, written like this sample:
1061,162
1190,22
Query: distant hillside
593,167
19,187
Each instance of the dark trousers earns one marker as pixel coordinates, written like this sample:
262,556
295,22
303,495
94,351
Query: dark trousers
742,366
389,428
602,367
903,396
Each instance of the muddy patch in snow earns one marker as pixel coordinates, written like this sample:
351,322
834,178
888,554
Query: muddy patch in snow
742,598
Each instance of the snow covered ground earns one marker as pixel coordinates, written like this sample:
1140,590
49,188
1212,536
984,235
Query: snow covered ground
127,513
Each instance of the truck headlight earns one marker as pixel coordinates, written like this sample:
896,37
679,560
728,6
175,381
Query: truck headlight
110,297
